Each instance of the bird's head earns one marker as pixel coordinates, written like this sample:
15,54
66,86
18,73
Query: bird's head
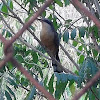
46,23
45,20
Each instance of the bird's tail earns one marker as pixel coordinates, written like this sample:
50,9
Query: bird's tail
55,66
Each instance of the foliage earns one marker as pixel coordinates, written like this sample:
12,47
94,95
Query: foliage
56,83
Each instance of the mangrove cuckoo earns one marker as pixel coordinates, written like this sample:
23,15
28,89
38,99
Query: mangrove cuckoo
50,40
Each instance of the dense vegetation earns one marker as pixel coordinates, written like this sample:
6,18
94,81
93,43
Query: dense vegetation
83,39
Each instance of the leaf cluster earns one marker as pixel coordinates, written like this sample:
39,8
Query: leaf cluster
79,37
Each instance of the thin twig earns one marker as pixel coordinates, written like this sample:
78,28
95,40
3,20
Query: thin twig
95,43
86,12
72,24
60,15
77,50
88,85
20,5
69,57
92,34
66,70
97,6
31,79
23,41
27,24
94,94
7,14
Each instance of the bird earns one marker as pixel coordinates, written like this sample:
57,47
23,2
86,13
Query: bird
49,38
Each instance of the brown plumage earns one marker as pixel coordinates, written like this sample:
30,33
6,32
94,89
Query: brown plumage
50,40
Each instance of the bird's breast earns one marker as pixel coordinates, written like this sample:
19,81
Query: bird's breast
47,38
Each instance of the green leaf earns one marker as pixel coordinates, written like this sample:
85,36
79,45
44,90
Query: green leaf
65,77
50,85
69,20
78,53
35,56
50,17
71,82
10,66
27,52
8,95
59,3
41,1
88,52
60,84
22,80
82,31
45,63
87,95
75,43
82,40
11,92
17,77
10,4
51,7
99,92
67,25
72,89
55,23
62,80
91,96
66,36
39,70
80,48
20,58
59,89
5,10
67,2
8,34
45,82
95,52
29,16
81,59
88,69
73,34
4,30
44,13
95,30
33,28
